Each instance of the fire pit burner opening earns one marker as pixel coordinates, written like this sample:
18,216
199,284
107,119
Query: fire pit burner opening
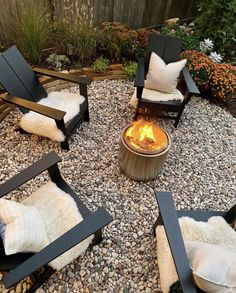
146,137
143,149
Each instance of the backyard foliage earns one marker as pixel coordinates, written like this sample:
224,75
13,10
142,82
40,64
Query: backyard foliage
220,79
100,64
187,34
80,38
130,69
58,62
31,30
216,20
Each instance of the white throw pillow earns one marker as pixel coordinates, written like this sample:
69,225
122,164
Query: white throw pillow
40,219
22,228
33,122
161,76
214,267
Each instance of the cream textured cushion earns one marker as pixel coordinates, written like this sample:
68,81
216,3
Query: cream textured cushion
33,122
57,213
161,76
214,267
156,96
24,228
215,231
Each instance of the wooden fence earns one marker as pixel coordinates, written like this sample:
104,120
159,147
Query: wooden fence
135,13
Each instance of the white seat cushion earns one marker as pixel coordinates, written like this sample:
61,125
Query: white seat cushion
156,96
40,219
33,122
161,76
215,231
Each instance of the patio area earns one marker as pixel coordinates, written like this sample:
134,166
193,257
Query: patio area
199,171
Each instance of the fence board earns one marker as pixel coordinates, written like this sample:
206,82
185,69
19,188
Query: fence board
135,13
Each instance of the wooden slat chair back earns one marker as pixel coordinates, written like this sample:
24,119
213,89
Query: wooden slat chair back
20,265
24,90
18,78
167,47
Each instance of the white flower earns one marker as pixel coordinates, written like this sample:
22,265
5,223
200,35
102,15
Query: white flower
206,46
217,58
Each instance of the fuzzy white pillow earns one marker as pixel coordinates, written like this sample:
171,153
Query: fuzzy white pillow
33,122
214,267
216,231
40,219
161,76
59,213
155,96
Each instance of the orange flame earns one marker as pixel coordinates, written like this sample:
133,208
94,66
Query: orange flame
146,136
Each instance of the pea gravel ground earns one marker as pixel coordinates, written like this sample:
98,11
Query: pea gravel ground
200,171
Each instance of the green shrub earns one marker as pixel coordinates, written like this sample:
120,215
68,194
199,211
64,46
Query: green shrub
80,37
100,64
130,69
31,30
216,20
58,61
189,37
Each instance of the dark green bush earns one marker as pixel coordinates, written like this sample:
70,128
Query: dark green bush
31,30
216,20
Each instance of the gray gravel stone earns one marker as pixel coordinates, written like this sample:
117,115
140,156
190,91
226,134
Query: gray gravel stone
200,172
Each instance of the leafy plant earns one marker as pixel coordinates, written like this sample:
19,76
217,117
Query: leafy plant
58,61
31,29
216,20
117,39
200,67
130,69
189,36
100,64
81,37
223,81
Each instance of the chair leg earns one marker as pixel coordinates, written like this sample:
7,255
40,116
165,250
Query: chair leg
42,278
65,145
97,237
178,117
86,116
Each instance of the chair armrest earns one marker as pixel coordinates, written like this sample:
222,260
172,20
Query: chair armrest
63,76
175,240
41,109
74,236
140,74
192,88
35,169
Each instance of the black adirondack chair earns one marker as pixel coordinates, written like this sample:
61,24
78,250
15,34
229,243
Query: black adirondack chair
169,49
24,90
169,219
22,265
